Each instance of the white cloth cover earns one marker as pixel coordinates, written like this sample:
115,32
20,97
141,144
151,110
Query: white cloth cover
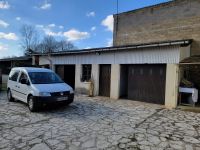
193,91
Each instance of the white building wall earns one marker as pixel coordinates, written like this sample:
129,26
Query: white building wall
80,87
85,87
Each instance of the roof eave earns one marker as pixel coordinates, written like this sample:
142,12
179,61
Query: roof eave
185,42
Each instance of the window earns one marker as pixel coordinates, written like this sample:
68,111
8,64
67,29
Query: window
44,78
86,73
14,75
23,76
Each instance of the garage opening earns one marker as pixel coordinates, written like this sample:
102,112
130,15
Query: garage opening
145,82
189,88
104,80
67,74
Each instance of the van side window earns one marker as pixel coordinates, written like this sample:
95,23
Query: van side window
14,75
23,76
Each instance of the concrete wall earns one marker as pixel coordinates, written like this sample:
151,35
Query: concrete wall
172,84
179,19
185,52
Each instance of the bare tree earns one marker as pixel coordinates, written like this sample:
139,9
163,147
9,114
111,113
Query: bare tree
29,38
65,45
49,44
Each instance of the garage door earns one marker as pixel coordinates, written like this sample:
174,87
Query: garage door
67,73
147,83
104,80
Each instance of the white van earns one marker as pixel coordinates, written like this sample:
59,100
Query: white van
36,86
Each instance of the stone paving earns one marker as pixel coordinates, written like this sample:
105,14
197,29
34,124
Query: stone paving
98,123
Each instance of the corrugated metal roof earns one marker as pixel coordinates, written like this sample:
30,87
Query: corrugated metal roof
185,42
153,55
16,58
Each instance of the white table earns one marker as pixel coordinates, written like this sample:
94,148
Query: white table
192,91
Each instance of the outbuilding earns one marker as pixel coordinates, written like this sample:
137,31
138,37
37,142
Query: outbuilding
146,72
143,65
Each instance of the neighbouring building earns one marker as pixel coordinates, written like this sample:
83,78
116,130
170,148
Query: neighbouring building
150,45
7,63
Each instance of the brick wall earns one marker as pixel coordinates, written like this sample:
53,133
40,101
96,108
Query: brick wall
179,19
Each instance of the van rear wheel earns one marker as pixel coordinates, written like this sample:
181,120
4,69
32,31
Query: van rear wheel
9,95
32,105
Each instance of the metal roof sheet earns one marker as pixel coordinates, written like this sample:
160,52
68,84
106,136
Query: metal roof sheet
121,48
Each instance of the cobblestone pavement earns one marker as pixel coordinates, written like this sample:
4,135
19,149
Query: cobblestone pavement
98,123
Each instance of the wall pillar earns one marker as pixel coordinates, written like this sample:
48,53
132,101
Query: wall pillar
95,78
53,67
33,60
172,84
115,81
77,76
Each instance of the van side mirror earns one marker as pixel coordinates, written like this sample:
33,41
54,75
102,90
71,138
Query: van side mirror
24,81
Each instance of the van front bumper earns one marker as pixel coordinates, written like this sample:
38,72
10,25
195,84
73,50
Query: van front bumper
54,99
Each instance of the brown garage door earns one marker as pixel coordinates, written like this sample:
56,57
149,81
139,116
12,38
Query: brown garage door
104,80
147,83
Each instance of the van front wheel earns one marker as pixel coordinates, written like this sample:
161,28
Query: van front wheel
32,105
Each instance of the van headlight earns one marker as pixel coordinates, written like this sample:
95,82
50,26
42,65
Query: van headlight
44,94
71,91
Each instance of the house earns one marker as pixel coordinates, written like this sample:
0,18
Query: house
150,45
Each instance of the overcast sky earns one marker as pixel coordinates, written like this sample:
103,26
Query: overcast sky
86,23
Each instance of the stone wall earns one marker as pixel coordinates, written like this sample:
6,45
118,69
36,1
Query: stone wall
176,20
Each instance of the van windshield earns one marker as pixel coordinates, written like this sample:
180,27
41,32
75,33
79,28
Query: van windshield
44,78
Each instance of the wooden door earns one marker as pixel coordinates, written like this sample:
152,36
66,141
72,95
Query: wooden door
104,80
